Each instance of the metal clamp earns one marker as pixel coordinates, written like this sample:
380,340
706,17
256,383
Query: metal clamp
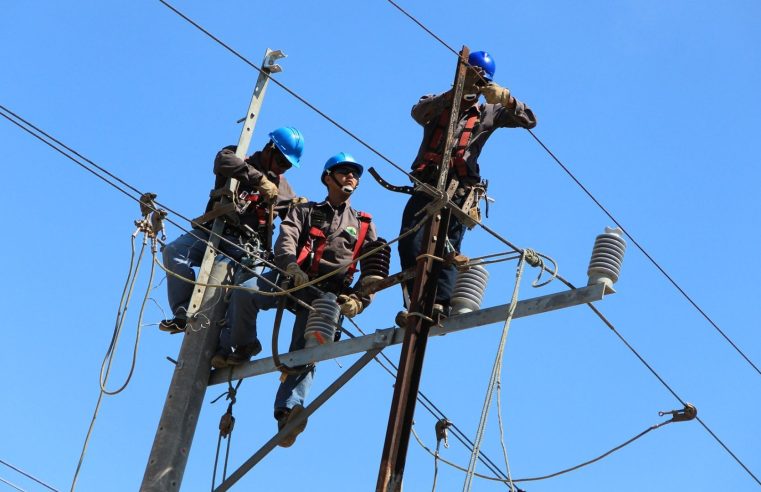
688,413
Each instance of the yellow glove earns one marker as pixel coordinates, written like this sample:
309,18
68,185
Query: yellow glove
298,275
267,188
494,94
350,305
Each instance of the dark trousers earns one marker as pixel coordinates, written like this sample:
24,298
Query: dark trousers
412,246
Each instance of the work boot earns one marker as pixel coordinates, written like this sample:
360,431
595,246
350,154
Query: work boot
174,325
243,353
401,319
219,360
286,416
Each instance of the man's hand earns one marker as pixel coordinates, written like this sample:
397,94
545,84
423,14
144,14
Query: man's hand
299,200
298,275
494,94
267,188
350,305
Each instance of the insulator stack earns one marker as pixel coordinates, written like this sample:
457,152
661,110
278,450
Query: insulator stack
377,265
321,323
607,257
469,290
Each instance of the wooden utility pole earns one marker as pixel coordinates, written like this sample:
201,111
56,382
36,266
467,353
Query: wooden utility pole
418,326
174,437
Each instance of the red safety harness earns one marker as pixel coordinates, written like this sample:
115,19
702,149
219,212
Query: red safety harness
317,241
433,158
261,211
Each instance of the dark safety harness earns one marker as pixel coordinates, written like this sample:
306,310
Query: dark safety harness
432,158
314,244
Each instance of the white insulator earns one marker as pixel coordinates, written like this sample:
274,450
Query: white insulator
607,257
321,323
469,290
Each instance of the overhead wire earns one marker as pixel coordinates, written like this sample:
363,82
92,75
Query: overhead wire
605,210
28,475
11,484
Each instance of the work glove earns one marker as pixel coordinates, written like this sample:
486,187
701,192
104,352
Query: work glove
267,189
299,200
472,79
298,275
494,94
350,305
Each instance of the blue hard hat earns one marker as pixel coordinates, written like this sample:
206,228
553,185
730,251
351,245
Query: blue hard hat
485,61
342,158
290,142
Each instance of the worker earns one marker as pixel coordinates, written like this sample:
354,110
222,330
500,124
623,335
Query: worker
475,124
260,182
315,238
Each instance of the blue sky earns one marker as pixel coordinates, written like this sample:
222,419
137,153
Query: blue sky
654,106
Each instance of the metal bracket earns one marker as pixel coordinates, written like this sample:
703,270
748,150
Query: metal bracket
689,412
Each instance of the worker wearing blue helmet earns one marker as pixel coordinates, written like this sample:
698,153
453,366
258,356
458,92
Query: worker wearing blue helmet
315,239
476,122
260,182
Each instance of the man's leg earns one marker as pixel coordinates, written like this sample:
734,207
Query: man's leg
180,256
411,246
292,392
242,313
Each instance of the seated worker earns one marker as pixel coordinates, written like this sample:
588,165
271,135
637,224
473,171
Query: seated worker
475,125
262,172
315,239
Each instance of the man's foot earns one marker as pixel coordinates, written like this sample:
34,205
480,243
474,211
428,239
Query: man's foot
174,325
243,353
219,360
286,416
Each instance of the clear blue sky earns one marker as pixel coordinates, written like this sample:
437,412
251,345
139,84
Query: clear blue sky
653,105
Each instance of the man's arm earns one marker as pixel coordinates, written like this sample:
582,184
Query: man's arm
227,164
290,232
371,236
430,106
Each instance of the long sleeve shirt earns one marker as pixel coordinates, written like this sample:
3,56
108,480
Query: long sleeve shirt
249,174
341,227
427,112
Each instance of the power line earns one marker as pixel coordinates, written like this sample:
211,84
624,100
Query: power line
27,475
610,216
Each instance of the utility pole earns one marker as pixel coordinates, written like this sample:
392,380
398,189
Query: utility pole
174,437
422,300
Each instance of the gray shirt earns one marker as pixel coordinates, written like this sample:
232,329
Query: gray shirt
341,228
427,113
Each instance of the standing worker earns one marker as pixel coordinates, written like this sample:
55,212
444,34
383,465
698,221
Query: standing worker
315,238
475,125
261,182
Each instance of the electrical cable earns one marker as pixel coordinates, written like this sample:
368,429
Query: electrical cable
610,216
10,484
662,381
29,476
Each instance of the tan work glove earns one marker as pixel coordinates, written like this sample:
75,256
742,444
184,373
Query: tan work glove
299,200
298,275
494,94
350,305
267,188
472,79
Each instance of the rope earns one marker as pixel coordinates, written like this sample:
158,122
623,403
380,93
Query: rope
495,380
550,475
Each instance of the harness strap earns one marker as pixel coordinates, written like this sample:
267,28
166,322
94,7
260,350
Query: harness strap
433,157
364,225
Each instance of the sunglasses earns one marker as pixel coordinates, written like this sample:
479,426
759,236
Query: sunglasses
347,170
281,161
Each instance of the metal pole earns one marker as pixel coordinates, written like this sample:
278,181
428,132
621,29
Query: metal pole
423,297
171,446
